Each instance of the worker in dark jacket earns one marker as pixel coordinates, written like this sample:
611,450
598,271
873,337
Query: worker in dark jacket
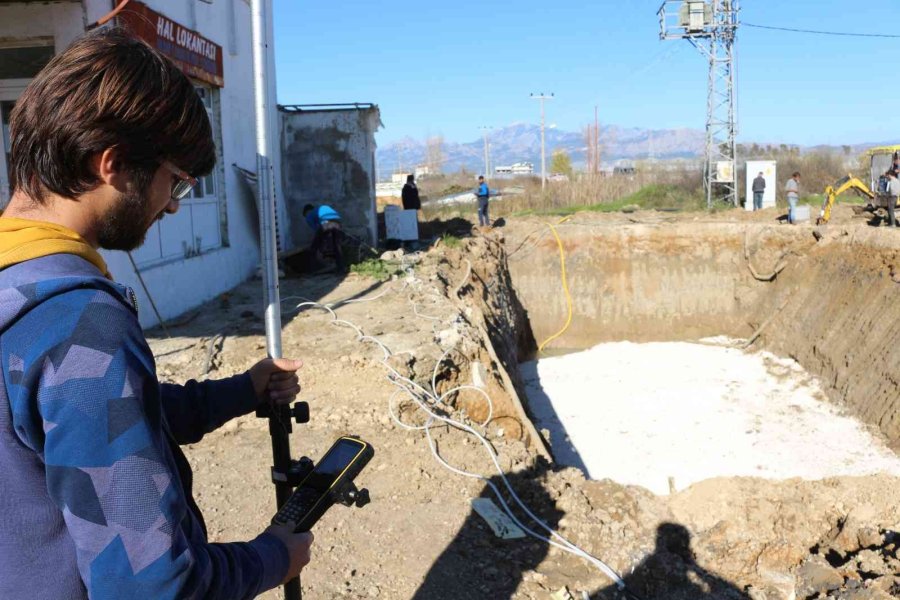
410,194
759,190
328,232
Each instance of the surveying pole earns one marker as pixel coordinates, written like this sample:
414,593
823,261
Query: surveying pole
279,416
542,98
487,150
711,27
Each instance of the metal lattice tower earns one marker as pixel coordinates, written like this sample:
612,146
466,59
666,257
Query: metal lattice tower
711,27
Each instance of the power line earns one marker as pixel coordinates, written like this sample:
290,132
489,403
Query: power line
816,32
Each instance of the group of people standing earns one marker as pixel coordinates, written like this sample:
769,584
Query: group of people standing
410,198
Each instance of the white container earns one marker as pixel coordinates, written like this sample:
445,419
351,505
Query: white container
768,169
801,213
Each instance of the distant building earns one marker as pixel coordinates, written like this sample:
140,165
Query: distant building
423,171
517,169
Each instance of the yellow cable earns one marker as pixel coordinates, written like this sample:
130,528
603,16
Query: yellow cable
565,285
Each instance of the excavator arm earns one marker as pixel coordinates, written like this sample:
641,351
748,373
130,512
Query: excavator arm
833,191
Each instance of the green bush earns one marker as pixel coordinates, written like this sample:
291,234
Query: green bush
376,268
654,196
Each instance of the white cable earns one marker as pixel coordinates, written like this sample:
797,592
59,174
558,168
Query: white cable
404,384
565,544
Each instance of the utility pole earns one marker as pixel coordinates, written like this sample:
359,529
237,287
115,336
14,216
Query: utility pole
487,150
542,98
711,27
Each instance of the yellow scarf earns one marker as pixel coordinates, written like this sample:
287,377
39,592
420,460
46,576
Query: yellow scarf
24,239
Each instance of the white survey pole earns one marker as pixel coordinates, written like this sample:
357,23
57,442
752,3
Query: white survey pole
279,416
262,13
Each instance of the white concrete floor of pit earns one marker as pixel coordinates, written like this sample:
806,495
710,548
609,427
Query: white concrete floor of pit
667,415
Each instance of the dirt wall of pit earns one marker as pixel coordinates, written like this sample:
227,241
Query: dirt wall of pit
833,304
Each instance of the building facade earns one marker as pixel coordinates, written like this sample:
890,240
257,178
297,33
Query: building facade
212,243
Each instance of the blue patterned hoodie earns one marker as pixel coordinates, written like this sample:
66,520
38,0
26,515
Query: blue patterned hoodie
95,494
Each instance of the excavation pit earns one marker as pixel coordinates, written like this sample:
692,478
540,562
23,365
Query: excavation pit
667,415
816,395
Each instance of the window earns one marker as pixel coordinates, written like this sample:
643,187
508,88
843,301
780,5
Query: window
23,62
199,224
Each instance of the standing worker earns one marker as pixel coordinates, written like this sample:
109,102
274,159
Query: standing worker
97,502
792,188
410,194
759,189
895,165
893,194
327,232
483,194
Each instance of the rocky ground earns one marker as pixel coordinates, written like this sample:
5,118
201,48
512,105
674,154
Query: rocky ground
419,538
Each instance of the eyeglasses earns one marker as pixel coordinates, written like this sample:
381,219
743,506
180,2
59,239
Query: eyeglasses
184,185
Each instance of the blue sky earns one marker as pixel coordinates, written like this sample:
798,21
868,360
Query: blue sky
447,68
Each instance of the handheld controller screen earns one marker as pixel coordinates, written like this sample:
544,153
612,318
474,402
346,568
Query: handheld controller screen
316,493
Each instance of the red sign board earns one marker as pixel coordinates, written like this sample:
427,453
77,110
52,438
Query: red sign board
194,54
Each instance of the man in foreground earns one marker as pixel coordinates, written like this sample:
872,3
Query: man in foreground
97,498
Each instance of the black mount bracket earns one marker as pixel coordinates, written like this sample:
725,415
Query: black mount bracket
350,495
299,412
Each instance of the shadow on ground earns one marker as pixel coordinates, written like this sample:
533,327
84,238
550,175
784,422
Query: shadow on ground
438,227
545,416
672,573
240,311
477,564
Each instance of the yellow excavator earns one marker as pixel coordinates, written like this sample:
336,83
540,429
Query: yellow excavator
880,201
833,191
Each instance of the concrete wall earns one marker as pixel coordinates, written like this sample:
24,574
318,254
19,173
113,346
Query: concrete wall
179,285
328,156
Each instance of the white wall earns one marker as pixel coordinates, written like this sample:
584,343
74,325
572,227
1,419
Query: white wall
181,285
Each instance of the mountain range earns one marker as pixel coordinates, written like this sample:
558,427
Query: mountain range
521,142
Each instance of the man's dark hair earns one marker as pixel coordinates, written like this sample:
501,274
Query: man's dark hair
480,177
796,174
307,208
108,89
410,178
